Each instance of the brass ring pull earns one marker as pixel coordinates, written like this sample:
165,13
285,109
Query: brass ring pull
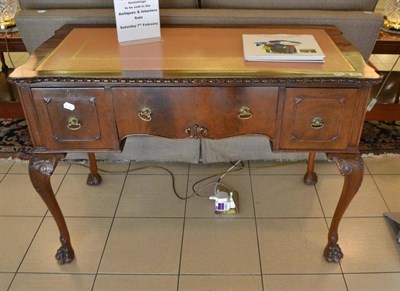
244,112
317,122
74,123
145,114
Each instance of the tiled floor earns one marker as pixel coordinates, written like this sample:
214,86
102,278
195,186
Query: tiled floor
133,233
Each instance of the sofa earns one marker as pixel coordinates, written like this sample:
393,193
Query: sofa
39,19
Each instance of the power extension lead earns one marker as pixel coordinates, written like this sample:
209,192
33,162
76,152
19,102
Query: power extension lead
226,203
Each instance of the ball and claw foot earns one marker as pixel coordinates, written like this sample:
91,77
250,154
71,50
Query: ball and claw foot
333,254
64,255
311,179
93,179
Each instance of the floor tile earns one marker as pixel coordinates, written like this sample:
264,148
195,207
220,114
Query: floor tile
367,202
383,165
104,168
373,282
152,196
1,177
379,65
293,246
15,56
144,253
159,168
373,58
218,168
22,167
220,246
143,246
136,283
292,167
389,186
5,280
16,234
369,245
397,67
203,207
88,237
5,165
387,58
220,283
21,60
54,282
18,197
326,282
277,168
76,198
285,196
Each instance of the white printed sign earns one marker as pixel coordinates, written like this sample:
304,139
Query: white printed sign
137,19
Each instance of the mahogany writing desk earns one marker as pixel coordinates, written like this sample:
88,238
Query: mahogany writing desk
82,91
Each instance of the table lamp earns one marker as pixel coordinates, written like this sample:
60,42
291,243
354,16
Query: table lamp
8,8
392,16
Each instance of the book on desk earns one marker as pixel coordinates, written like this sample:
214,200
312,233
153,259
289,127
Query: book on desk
281,48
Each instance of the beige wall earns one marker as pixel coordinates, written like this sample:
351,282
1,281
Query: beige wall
380,6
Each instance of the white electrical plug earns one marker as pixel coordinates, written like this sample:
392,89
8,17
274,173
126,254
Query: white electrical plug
223,201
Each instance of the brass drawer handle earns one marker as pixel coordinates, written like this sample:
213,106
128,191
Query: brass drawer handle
145,113
74,123
317,122
245,112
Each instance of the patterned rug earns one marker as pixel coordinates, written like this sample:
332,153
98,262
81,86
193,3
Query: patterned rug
378,137
15,141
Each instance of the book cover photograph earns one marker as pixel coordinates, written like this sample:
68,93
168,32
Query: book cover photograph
281,48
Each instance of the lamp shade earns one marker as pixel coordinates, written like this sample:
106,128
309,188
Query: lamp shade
392,16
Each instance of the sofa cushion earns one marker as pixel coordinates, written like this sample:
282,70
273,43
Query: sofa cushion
360,5
69,4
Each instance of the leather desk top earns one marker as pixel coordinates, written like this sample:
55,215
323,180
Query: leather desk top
88,50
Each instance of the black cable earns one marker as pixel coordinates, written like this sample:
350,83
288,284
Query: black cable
7,49
233,168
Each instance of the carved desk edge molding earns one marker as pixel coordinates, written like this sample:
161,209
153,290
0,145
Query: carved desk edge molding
199,81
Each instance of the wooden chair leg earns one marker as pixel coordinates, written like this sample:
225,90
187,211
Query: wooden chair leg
94,177
310,178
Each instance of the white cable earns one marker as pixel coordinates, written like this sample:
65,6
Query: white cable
223,175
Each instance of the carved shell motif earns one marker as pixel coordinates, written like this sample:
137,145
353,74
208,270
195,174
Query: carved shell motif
196,131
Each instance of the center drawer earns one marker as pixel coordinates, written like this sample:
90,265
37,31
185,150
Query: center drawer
181,112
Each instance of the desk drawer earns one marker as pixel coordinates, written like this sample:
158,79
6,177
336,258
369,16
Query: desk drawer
74,119
317,118
195,111
155,111
234,111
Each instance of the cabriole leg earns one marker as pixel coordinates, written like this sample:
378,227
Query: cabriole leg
94,177
352,168
41,167
310,178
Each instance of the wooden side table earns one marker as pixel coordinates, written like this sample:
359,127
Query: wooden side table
387,43
10,42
